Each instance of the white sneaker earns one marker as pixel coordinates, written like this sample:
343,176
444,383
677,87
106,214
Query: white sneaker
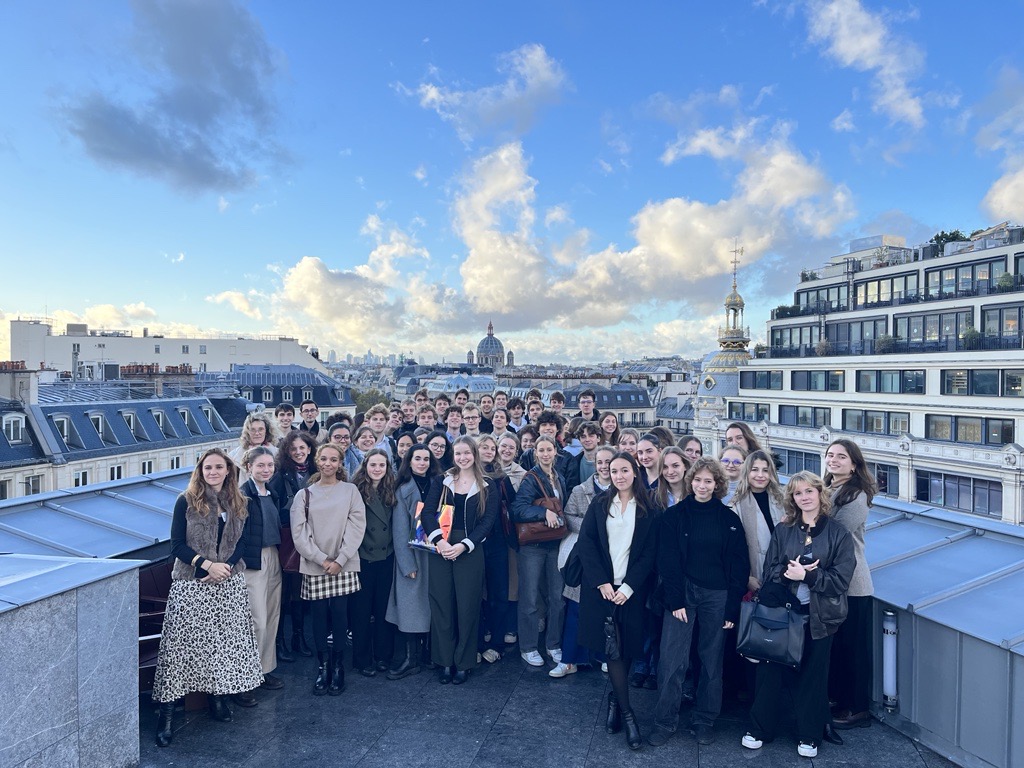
555,654
806,750
561,670
604,667
491,656
750,742
511,638
532,658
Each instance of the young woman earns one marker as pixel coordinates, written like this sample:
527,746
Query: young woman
296,463
758,502
811,557
579,501
457,576
628,438
732,459
508,452
263,564
648,448
373,639
740,434
340,433
617,549
363,440
403,443
208,642
498,619
609,429
409,604
258,430
328,519
702,560
852,489
691,447
437,442
672,468
527,437
538,563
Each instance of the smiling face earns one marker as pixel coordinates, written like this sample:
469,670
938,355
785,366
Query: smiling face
627,443
376,468
404,444
609,423
486,405
464,459
426,420
487,451
603,465
454,421
839,463
499,421
342,436
461,399
693,450
548,429
394,419
501,401
759,475
806,498
622,474
419,462
257,432
735,436
672,470
646,454
309,413
526,441
703,485
589,441
438,446
262,469
298,452
545,454
732,463
215,470
377,422
507,450
366,440
534,411
329,460
409,412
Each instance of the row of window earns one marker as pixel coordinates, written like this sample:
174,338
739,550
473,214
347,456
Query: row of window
967,494
964,278
69,433
34,483
992,382
885,289
184,349
268,395
962,429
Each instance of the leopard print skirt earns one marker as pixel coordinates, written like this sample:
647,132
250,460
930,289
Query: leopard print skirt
208,643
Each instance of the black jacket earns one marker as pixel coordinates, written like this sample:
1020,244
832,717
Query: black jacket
253,536
833,548
476,525
673,546
565,465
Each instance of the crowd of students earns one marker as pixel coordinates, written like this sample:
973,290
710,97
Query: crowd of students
396,532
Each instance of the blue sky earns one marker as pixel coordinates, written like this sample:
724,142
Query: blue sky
393,175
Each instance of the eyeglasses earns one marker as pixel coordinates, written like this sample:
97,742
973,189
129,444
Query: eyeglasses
732,462
309,410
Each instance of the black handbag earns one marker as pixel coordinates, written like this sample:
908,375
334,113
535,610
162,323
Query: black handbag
771,634
572,571
612,646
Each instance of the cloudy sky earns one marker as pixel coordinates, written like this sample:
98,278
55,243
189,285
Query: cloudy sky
393,175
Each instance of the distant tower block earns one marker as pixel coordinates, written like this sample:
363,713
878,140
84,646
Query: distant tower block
511,359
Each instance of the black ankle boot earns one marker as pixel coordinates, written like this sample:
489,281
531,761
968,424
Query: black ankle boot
219,709
614,722
633,738
283,654
164,733
299,645
337,674
832,736
410,665
323,675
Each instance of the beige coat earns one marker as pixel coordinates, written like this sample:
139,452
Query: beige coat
333,529
756,531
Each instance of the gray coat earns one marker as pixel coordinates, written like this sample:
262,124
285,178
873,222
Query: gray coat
853,517
408,605
756,531
575,511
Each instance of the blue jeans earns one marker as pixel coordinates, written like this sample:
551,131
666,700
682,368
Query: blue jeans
707,608
499,614
538,570
572,651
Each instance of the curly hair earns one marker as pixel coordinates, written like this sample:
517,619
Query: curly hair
270,436
807,478
340,474
712,465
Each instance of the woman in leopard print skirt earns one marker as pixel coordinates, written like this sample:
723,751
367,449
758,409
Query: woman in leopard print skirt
208,643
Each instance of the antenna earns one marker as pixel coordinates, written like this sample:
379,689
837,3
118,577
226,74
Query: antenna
736,253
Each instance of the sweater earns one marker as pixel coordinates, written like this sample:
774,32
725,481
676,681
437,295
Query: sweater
332,529
853,517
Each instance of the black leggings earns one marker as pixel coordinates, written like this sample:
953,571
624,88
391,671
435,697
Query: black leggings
330,614
618,675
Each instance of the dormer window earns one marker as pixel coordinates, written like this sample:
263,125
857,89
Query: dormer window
63,426
134,424
14,428
307,394
190,421
103,429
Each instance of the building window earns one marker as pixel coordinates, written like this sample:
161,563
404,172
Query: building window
61,424
5,489
804,416
967,494
176,462
968,279
202,349
129,419
286,395
33,484
969,429
1001,321
116,472
14,428
799,461
190,421
156,349
184,349
970,382
876,422
208,413
895,382
1013,383
760,379
749,411
818,381
935,328
81,478
247,394
147,467
307,394
268,395
887,476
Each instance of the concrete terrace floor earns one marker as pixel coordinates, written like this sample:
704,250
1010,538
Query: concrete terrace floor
507,715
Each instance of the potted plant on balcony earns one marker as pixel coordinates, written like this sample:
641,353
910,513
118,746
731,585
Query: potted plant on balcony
823,348
885,344
1004,283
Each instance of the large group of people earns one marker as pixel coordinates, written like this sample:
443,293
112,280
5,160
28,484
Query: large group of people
446,534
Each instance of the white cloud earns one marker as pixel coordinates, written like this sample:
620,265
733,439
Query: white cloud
533,80
843,122
239,302
420,174
222,204
175,259
717,142
1004,133
855,37
557,214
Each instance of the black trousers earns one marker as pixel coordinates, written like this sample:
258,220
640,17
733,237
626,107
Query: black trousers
329,615
455,589
809,686
850,672
374,641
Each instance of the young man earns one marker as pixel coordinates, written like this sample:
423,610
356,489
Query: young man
462,397
471,419
501,399
499,422
549,424
421,397
590,437
285,415
309,411
533,409
395,419
408,417
426,417
377,420
486,409
557,402
515,414
453,422
587,410
441,405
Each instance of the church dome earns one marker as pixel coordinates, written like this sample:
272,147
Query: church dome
490,351
734,300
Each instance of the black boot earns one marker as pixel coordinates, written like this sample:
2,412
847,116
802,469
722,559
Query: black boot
219,709
632,729
283,654
337,674
614,722
164,733
299,645
323,675
832,736
410,665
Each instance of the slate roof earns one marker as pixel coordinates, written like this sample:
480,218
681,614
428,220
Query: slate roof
675,408
326,391
616,396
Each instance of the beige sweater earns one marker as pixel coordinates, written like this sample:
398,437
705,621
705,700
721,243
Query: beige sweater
333,529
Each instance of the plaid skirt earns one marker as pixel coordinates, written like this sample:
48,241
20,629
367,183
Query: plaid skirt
208,643
322,587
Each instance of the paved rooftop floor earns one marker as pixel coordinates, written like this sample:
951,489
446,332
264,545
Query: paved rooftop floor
507,715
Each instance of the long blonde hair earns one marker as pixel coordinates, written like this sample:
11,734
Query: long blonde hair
478,472
743,488
811,479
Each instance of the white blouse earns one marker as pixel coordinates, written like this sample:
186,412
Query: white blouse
619,526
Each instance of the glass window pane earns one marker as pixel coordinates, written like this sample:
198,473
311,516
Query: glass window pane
968,429
866,381
954,382
890,381
899,423
1013,383
985,382
931,328
939,427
